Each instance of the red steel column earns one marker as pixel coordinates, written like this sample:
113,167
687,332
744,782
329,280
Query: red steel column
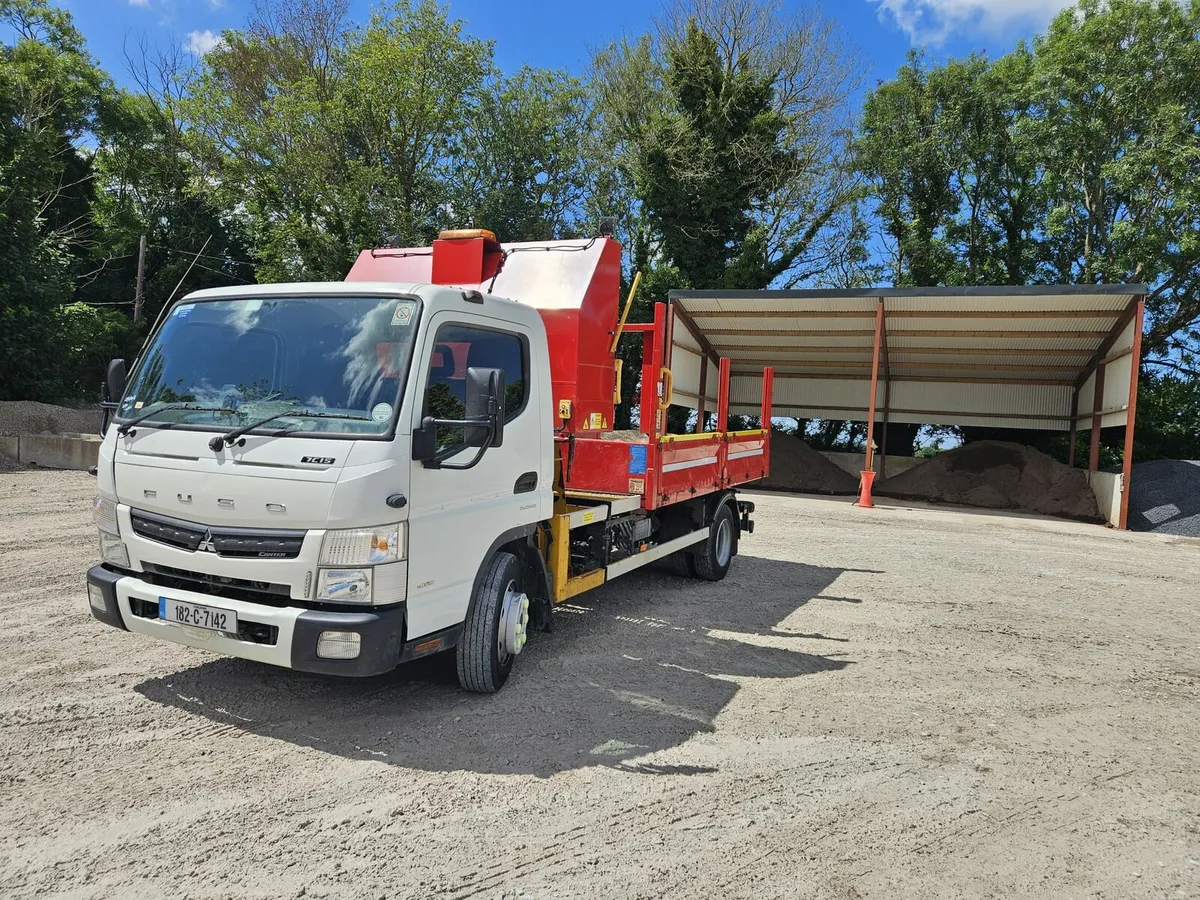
1135,364
1097,405
768,388
652,363
768,396
868,473
723,421
723,395
1074,430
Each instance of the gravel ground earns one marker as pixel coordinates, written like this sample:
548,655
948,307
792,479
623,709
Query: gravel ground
31,417
1165,497
875,703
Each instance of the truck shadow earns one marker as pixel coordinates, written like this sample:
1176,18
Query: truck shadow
631,668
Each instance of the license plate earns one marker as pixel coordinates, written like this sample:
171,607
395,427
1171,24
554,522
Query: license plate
197,616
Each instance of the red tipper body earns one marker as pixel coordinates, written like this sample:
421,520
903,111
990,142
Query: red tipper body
575,286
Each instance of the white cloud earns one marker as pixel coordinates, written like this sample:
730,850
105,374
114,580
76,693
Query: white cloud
216,4
932,21
202,42
140,4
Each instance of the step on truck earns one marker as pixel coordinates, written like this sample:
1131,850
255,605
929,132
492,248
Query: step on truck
340,477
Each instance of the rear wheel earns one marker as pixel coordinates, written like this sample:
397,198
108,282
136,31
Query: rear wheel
714,556
683,563
495,630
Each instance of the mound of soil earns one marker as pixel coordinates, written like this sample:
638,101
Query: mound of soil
31,417
998,475
1164,496
795,466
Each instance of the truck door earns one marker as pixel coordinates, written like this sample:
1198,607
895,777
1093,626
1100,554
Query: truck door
455,515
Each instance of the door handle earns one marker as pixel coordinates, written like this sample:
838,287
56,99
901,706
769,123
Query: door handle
525,483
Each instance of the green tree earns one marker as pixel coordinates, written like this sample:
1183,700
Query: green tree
954,177
1168,415
324,138
708,158
728,128
53,102
521,172
1118,111
150,186
905,149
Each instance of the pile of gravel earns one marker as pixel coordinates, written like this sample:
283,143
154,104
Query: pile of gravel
998,475
1164,496
795,466
31,417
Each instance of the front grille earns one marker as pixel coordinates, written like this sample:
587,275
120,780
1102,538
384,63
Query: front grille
219,585
167,531
229,543
239,543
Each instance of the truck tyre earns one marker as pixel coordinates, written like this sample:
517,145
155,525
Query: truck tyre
714,555
484,658
683,563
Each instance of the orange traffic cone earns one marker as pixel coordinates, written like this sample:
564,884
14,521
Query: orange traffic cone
864,489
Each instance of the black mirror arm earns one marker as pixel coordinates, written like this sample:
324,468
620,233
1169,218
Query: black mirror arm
487,422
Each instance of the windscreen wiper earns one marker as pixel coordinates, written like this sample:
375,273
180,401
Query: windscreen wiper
224,440
123,428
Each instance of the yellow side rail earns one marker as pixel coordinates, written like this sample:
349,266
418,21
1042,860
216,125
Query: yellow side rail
637,279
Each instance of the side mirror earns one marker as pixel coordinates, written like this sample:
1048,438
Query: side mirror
485,400
111,390
114,379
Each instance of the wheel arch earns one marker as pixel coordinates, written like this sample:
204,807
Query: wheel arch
520,543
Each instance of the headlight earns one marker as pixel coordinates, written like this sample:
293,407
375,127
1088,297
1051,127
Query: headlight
112,550
344,585
364,546
104,513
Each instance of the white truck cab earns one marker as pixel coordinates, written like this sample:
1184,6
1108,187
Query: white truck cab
314,540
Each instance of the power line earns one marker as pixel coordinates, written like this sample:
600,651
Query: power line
242,262
220,272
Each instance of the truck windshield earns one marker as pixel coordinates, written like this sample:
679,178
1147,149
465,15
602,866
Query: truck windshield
219,364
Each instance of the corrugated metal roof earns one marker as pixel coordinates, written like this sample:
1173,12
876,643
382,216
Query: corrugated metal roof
1083,342
994,302
782,323
990,355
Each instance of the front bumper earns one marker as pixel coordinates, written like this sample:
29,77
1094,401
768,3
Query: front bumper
295,629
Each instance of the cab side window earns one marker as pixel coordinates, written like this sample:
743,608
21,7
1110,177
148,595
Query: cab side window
461,347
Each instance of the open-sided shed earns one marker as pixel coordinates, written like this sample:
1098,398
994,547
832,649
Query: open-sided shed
1054,357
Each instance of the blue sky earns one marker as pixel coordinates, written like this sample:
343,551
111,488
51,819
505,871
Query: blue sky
561,34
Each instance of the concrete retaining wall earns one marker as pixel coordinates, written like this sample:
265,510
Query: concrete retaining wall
52,451
853,463
1107,487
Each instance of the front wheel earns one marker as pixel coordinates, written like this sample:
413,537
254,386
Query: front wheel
713,558
495,630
